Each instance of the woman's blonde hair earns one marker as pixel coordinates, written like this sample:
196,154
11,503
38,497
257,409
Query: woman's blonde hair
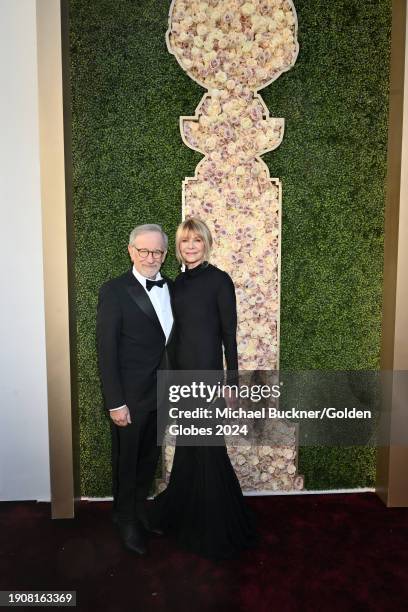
197,226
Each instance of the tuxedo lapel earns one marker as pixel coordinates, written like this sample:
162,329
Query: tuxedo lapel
171,294
141,299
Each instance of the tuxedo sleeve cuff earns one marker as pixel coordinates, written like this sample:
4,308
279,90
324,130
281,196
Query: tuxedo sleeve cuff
118,408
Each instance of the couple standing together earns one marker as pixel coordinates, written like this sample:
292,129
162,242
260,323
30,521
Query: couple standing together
146,322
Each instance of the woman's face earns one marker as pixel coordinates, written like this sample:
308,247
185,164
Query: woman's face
192,249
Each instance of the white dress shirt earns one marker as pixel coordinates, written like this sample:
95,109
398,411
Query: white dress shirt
160,299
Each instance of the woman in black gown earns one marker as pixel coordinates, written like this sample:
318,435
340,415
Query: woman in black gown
203,506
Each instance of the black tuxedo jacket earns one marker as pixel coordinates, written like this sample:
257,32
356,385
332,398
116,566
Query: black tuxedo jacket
131,344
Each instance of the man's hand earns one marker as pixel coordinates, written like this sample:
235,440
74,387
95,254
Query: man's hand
121,417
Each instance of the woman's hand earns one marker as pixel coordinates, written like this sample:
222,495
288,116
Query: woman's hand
231,399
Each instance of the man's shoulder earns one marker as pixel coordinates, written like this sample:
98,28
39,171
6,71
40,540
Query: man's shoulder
116,283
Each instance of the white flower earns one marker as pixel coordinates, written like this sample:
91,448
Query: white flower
246,123
256,50
201,17
272,25
275,62
215,15
287,34
182,37
223,42
204,120
247,9
220,76
199,190
247,46
186,23
211,143
202,29
259,23
261,74
214,109
279,15
208,45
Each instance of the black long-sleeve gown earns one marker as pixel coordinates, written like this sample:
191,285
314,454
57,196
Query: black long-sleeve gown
203,506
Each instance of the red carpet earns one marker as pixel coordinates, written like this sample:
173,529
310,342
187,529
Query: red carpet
317,552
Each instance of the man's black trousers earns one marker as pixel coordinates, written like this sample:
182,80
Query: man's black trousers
134,460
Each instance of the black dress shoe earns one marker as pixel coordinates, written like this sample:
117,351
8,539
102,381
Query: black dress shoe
144,521
141,519
132,537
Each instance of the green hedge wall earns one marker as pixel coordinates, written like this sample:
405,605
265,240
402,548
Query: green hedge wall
129,161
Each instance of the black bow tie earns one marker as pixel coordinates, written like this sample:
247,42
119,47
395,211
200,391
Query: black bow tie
150,283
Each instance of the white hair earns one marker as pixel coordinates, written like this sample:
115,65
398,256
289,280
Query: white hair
144,229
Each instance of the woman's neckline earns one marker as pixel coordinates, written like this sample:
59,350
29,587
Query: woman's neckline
194,271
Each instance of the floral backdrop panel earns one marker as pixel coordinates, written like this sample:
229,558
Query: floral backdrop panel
234,48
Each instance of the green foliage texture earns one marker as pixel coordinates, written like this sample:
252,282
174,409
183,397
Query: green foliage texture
129,162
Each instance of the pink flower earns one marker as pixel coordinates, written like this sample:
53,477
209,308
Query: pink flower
215,63
247,94
228,133
236,259
255,113
265,9
224,153
233,199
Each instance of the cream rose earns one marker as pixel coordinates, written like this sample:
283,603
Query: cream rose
202,30
247,9
198,41
220,76
246,123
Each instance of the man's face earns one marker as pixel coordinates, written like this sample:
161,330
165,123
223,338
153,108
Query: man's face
148,265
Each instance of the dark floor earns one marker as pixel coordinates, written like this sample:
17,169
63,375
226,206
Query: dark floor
317,552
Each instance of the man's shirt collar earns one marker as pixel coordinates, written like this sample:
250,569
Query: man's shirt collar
142,279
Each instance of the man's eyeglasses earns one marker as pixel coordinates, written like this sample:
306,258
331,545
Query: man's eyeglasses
144,253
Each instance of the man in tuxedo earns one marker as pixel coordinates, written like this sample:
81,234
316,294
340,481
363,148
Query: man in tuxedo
134,329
